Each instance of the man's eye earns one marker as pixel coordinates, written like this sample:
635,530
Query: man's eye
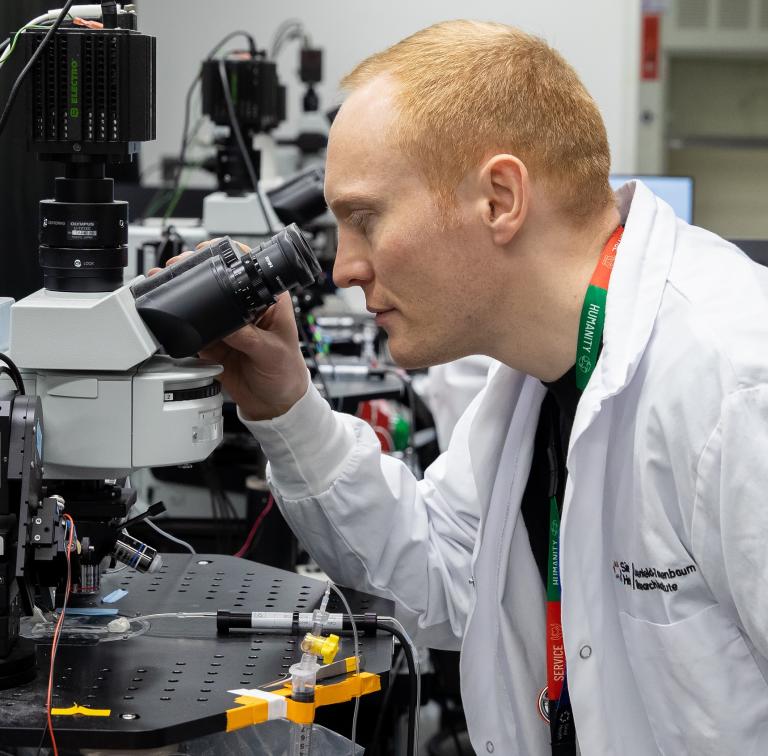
358,220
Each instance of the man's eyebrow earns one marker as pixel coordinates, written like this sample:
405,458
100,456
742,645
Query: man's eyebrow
344,203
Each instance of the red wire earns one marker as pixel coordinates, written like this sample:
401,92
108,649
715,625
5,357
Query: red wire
57,630
243,550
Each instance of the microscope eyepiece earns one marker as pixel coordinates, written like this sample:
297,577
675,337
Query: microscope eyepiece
215,291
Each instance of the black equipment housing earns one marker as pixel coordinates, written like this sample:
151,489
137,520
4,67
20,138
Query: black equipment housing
92,92
257,95
301,199
258,99
91,100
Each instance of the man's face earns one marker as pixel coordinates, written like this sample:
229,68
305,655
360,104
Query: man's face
421,274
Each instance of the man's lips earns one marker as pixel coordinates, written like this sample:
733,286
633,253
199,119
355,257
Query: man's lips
381,314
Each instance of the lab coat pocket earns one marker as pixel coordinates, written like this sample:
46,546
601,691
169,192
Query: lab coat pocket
702,691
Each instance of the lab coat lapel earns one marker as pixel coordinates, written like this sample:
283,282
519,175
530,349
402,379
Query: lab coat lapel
634,296
490,427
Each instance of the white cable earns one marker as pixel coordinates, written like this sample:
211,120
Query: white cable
91,11
162,532
158,529
357,660
114,571
174,615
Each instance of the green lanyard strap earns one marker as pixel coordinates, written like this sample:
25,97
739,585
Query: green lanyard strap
593,312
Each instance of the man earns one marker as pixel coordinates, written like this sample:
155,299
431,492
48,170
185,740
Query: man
468,171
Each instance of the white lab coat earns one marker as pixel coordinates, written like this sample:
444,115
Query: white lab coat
449,388
664,555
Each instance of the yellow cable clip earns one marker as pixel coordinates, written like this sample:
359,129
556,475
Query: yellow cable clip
84,711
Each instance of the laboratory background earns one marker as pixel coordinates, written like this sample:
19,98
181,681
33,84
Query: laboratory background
188,618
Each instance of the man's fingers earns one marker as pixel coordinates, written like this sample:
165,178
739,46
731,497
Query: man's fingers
215,352
283,319
203,245
277,321
174,260
247,339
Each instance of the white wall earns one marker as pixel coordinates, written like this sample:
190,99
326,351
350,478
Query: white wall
599,37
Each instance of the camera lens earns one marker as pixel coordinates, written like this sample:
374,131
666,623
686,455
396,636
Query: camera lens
83,233
215,291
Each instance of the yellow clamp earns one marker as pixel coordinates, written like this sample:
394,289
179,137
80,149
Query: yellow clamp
327,648
258,707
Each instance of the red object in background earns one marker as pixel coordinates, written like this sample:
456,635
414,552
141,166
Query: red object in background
378,414
651,47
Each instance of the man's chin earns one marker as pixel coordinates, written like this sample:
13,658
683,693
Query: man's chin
410,358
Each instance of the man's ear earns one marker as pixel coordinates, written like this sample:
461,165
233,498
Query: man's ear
505,190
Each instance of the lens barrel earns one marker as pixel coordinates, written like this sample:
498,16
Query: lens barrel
215,291
83,233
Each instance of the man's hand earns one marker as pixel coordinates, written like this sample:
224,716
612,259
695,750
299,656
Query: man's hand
264,371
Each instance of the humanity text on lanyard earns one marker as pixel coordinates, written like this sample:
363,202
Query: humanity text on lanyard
588,349
593,312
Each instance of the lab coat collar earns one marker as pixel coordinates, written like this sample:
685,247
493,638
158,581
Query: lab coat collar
637,284
634,296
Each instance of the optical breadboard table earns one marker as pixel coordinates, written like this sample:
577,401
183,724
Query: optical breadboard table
170,683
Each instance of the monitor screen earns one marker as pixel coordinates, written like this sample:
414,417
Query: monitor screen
676,191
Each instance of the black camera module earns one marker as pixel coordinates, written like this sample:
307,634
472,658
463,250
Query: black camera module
90,102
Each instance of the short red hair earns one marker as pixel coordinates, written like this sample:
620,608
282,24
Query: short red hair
467,90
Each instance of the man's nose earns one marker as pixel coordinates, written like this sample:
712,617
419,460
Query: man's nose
352,267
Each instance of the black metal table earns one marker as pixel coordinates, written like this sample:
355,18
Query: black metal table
170,684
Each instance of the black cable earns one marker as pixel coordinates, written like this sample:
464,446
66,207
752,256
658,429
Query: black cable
31,62
282,32
223,41
235,126
413,681
184,137
14,372
188,102
6,42
383,708
42,738
218,491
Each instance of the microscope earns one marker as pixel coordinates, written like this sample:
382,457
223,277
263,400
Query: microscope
244,100
101,379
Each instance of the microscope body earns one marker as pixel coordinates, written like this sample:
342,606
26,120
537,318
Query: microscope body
112,404
101,378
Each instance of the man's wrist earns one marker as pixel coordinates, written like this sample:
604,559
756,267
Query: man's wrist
256,412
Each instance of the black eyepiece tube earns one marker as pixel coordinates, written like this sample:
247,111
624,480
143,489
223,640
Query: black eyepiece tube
284,257
172,271
214,292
